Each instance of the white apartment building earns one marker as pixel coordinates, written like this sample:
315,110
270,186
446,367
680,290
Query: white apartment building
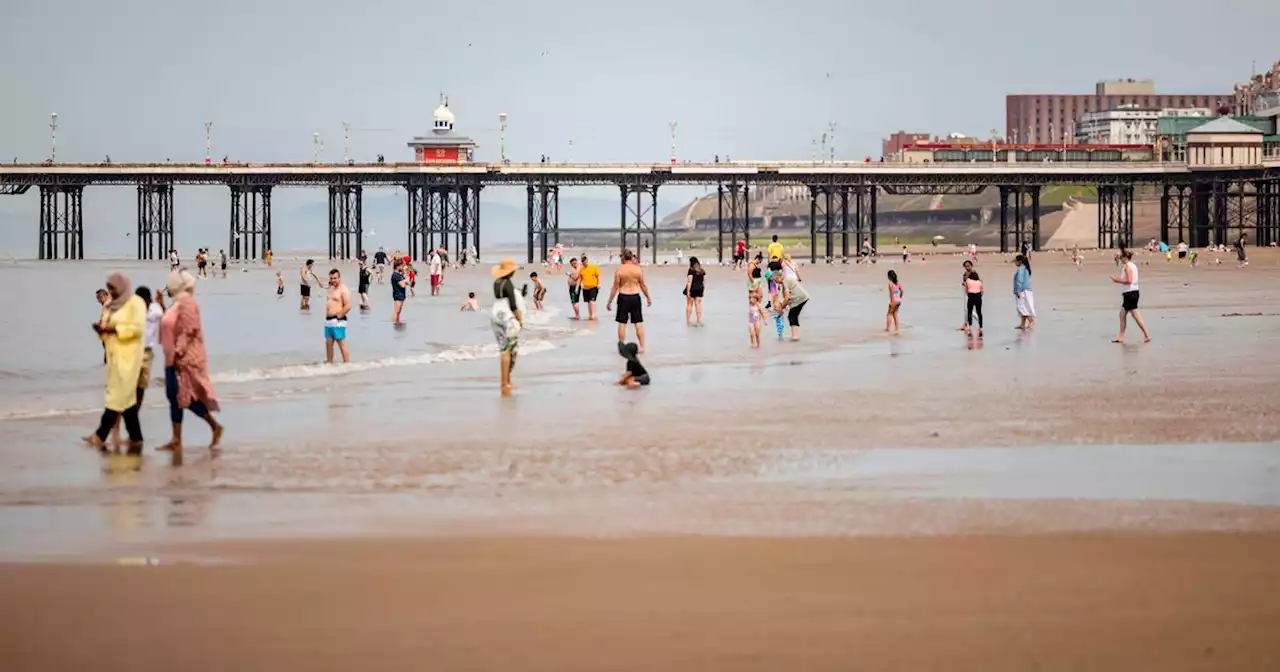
1128,124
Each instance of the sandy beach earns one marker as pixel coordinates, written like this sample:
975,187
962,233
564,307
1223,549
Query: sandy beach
1177,602
854,500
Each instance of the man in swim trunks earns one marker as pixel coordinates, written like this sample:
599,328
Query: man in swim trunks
336,307
590,277
363,288
398,285
628,285
776,250
305,276
222,261
575,287
437,272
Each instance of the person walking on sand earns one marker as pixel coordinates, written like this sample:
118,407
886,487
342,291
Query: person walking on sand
305,276
694,288
186,364
973,294
336,306
506,320
279,284
575,287
964,279
1242,259
1128,281
1023,299
895,302
123,330
590,275
628,285
222,262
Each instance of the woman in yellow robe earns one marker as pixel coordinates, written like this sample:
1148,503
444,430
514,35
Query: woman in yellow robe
121,330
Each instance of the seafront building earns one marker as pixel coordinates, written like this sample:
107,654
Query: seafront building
1051,117
1130,124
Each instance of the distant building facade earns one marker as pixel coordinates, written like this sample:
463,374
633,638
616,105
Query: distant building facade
1049,118
893,145
1128,124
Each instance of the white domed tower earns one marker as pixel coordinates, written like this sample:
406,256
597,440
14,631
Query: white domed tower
442,146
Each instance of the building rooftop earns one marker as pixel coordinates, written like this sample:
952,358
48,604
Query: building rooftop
1182,125
1226,125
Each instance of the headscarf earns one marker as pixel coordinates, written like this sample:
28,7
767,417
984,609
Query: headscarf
178,282
123,291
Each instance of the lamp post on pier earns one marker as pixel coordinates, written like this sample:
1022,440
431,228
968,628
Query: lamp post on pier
53,137
502,136
317,145
346,142
208,142
672,124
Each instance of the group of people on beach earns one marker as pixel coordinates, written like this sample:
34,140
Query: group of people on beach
133,326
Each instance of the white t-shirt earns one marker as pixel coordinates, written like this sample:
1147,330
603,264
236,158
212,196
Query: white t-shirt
435,264
154,314
1182,247
1132,268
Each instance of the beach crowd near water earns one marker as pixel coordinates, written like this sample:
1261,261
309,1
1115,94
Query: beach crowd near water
136,327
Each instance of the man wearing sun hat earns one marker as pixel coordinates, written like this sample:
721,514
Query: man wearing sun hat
506,318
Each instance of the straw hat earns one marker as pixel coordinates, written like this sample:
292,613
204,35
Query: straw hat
504,268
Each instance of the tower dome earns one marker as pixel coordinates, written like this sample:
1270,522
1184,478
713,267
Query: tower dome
442,118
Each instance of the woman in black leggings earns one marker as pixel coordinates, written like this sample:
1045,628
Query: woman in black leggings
973,301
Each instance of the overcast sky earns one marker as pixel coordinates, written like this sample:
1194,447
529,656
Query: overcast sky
137,79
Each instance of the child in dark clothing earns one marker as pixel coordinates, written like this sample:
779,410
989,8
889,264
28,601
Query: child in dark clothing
635,375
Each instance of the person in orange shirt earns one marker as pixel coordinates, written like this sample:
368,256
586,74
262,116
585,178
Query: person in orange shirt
590,274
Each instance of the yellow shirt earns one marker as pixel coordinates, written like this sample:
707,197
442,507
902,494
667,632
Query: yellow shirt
125,349
775,250
590,276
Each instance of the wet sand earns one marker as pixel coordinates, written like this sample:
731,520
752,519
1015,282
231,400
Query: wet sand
1176,602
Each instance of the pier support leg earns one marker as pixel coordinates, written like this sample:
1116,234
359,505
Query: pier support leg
640,216
250,230
1004,219
417,218
1201,199
1166,203
844,225
544,218
346,221
61,222
469,215
1035,219
872,215
1115,215
732,201
155,220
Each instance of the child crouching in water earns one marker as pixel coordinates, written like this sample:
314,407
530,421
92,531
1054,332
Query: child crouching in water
470,303
635,375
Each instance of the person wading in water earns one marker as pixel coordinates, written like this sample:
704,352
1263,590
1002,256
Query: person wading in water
628,285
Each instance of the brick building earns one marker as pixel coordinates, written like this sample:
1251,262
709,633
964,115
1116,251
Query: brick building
1045,118
892,146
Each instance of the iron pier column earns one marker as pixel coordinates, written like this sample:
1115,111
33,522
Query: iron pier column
1201,197
1035,219
155,220
719,223
61,212
1019,220
642,218
418,206
844,224
872,213
1220,219
250,230
529,226
1165,203
813,224
345,220
859,196
544,216
1004,219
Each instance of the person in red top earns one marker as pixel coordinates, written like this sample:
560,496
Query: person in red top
412,273
740,253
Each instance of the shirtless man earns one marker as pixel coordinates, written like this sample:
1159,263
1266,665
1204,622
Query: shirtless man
336,307
628,285
575,287
305,276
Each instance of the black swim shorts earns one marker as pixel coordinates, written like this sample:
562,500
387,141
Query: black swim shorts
305,290
629,309
590,294
1130,300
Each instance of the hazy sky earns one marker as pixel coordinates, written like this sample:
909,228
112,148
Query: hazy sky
136,80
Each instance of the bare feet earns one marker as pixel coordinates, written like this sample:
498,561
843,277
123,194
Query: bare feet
217,436
170,447
1118,340
135,448
94,442
1146,339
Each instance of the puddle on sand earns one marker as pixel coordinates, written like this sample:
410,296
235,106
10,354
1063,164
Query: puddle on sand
1246,474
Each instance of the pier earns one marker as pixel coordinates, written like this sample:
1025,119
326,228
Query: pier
1201,205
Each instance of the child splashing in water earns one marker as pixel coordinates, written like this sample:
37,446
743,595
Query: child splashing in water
895,302
774,279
